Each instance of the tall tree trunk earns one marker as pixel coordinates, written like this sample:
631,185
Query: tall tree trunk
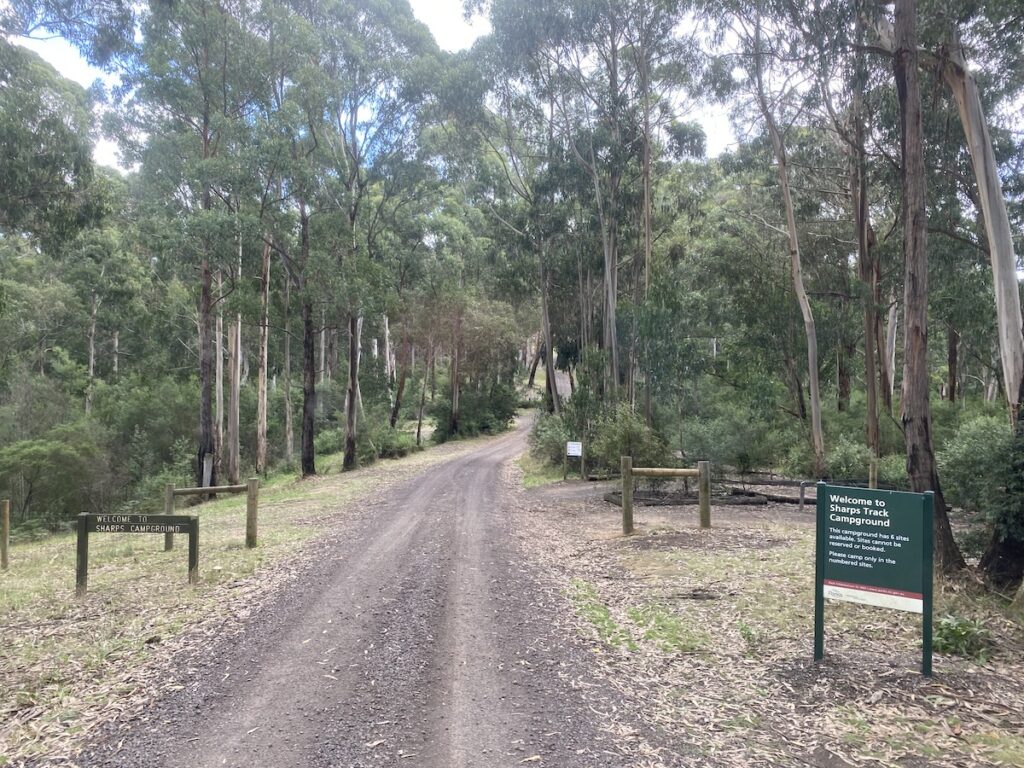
206,468
961,82
308,388
352,399
323,347
889,349
952,355
261,385
953,68
403,372
916,411
453,426
117,353
865,240
286,370
549,359
94,308
817,435
533,365
390,364
218,387
307,449
234,392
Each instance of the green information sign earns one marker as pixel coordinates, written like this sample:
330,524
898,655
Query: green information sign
874,548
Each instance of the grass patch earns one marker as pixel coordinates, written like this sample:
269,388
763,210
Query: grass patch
588,606
669,632
536,472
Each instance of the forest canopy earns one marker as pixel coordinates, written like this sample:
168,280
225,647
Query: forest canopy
337,237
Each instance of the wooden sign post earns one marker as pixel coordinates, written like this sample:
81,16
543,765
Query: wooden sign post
874,548
165,524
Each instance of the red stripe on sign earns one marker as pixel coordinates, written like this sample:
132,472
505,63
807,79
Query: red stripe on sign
878,590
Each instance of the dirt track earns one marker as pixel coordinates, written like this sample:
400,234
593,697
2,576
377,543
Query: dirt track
418,639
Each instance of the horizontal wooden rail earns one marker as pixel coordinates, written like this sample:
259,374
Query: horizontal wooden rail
664,472
252,488
211,489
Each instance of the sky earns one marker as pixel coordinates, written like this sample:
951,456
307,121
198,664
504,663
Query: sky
445,20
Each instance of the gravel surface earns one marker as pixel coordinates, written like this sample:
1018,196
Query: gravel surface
419,636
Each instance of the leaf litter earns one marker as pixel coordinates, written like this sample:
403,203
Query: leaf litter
742,690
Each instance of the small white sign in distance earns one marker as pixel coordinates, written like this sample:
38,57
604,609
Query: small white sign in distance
573,449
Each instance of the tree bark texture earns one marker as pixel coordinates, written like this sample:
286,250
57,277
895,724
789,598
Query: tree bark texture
206,466
308,388
218,387
234,393
916,411
286,370
997,223
402,364
261,384
352,399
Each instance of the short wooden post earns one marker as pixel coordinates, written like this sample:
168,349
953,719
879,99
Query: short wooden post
583,464
704,492
193,551
168,510
873,472
565,465
82,557
252,499
627,495
5,533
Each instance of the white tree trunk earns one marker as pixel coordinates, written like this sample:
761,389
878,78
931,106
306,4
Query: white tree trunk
890,344
234,379
817,435
218,387
958,77
997,223
261,393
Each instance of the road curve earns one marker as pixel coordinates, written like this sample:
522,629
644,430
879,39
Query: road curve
418,640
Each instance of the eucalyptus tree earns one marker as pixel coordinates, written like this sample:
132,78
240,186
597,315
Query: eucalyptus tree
45,151
776,87
916,413
955,34
195,74
381,63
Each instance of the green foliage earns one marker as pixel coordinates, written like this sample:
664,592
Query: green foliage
622,432
848,460
973,464
892,472
55,477
548,438
1007,509
960,636
485,410
733,437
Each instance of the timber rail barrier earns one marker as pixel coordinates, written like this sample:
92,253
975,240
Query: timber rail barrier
251,489
702,473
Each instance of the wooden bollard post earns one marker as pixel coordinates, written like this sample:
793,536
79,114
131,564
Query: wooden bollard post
251,502
627,495
193,551
82,557
704,492
168,510
5,533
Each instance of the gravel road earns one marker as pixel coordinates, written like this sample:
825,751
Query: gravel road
418,638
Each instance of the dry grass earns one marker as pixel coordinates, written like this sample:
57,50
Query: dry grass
708,637
71,665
